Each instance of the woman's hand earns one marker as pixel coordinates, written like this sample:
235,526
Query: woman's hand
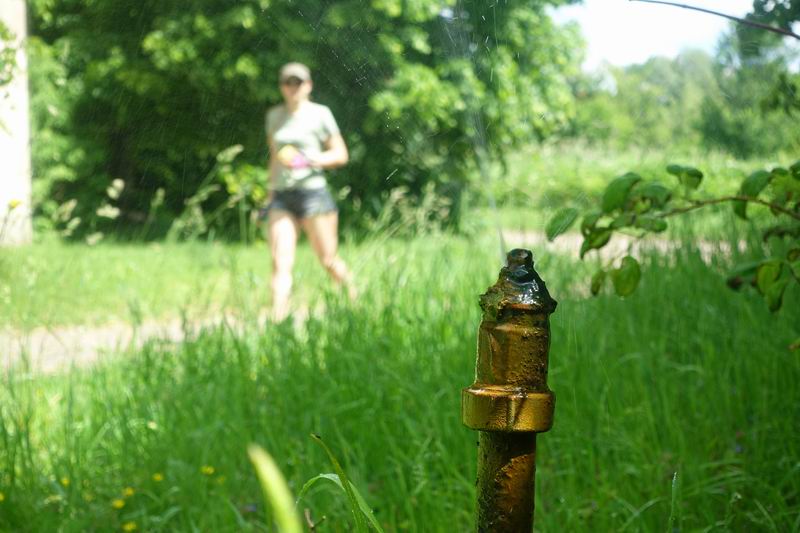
334,156
291,157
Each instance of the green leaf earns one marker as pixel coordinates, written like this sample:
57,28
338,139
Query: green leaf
313,481
692,177
780,172
617,191
589,221
657,193
774,294
795,169
752,186
276,492
740,209
598,280
675,170
625,219
743,272
362,504
560,222
755,183
689,177
767,274
626,277
651,223
794,266
358,516
595,240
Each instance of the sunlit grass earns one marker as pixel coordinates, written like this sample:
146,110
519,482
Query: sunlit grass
542,179
52,284
685,376
55,284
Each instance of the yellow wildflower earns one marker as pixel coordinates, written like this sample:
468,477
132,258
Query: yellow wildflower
152,425
158,477
127,492
129,526
13,204
118,503
2,497
207,470
65,481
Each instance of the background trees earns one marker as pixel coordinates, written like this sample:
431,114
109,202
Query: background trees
150,92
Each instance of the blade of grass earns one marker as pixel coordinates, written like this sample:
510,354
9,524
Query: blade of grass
674,524
362,503
276,492
361,524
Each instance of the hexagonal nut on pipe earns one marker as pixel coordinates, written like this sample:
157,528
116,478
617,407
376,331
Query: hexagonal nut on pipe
510,392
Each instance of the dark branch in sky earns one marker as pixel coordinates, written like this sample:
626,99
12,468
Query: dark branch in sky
746,22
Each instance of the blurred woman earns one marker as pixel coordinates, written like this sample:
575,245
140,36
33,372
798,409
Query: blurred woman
304,141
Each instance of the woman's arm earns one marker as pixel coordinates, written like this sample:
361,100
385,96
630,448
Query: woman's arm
334,156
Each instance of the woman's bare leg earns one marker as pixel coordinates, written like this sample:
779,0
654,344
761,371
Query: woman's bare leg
283,244
322,231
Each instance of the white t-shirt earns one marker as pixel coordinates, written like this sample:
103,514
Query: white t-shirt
306,130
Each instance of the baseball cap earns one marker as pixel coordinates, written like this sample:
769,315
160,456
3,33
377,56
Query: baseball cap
295,70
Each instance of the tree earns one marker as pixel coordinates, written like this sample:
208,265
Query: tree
737,117
653,103
417,86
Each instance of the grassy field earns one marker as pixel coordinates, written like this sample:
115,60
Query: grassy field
53,284
679,403
684,378
543,179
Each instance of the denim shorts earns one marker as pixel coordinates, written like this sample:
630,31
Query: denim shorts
301,203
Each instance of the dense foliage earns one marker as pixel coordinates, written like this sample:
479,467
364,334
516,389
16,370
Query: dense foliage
693,100
742,100
150,92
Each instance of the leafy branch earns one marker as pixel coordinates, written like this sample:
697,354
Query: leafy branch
634,206
737,198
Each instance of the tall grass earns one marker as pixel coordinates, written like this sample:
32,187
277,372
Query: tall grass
550,176
53,284
685,376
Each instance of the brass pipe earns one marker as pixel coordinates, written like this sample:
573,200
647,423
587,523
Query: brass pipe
510,403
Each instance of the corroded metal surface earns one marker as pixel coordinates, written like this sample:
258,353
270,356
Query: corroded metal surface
510,401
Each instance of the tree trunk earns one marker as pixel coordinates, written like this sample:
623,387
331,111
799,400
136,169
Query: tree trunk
15,152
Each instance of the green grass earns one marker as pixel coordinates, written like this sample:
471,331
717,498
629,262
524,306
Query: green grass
55,284
685,376
542,179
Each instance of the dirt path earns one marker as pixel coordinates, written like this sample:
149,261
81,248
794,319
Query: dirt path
52,350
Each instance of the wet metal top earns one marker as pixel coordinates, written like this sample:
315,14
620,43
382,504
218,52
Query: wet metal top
519,285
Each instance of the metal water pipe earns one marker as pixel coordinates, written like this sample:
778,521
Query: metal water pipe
510,403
